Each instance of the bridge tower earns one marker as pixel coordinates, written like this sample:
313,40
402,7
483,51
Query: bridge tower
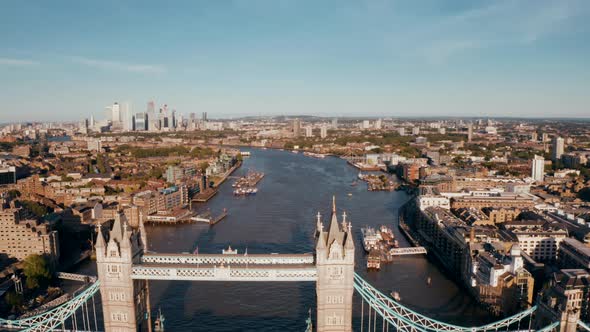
124,301
335,271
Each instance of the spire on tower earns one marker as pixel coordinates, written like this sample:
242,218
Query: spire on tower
319,226
333,203
99,238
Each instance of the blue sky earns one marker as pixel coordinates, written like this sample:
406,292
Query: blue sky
66,60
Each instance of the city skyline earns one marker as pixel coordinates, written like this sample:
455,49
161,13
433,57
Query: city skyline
68,61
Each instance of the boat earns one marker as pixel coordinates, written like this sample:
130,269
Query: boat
159,323
354,183
370,238
245,191
349,194
395,296
429,281
374,260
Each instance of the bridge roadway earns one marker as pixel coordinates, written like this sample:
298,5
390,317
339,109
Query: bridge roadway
212,272
227,259
226,267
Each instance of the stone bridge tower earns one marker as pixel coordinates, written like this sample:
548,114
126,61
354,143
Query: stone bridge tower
124,301
335,265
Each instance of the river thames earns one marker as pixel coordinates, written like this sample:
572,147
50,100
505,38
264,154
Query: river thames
281,219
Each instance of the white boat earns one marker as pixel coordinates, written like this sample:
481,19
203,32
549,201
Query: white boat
370,238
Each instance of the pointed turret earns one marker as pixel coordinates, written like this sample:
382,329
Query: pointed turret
334,232
99,238
117,230
319,227
125,241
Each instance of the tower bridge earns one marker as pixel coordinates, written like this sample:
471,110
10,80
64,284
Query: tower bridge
125,266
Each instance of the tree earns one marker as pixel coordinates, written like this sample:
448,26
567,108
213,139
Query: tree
14,300
36,208
37,271
203,166
12,194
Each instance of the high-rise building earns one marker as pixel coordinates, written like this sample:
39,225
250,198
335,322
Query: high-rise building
141,121
416,131
296,127
115,113
378,124
538,168
308,131
335,123
126,117
557,147
469,132
7,175
534,136
204,117
366,124
324,131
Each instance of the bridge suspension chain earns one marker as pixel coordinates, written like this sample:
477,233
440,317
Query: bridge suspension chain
401,315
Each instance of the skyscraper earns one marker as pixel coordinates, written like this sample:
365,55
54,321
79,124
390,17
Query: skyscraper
141,121
296,127
558,147
324,131
115,113
538,168
469,132
126,117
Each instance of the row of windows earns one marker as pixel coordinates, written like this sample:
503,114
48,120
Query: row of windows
117,296
335,320
335,299
113,268
119,317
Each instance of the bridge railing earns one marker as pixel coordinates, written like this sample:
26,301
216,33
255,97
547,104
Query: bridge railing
406,319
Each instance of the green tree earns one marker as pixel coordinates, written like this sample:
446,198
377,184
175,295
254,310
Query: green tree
14,300
203,166
37,209
37,271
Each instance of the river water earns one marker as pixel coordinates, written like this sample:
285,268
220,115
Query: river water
281,219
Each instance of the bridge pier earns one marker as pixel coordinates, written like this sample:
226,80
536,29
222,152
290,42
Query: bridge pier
335,275
124,301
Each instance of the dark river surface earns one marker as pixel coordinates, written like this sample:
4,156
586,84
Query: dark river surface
281,219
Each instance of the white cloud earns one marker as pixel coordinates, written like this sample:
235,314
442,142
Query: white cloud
120,66
17,62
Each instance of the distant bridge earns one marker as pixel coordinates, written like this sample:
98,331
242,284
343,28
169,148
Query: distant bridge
408,251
